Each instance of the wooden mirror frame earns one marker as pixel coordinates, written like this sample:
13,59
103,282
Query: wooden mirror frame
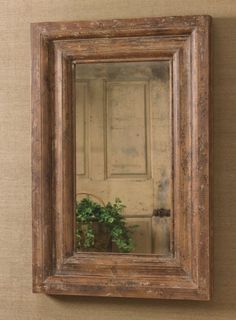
57,267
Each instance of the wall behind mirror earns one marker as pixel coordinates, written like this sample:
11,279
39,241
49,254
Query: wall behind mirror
15,218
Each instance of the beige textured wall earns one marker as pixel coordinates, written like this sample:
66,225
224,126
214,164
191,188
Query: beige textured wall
16,300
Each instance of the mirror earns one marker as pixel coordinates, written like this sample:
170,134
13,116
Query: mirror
124,157
121,158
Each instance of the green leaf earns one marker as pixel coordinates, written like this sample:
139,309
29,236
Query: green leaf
110,215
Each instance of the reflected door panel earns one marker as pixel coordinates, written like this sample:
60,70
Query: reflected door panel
124,147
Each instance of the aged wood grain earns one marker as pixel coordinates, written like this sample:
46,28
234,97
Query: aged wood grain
184,41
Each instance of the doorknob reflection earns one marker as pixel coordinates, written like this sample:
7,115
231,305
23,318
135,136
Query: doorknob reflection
161,212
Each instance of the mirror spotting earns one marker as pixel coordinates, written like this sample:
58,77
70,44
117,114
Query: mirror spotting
124,157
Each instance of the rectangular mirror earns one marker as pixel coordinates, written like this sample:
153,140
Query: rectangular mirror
124,151
121,158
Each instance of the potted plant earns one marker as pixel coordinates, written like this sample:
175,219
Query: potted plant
102,226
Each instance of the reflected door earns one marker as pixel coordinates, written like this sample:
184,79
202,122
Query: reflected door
124,147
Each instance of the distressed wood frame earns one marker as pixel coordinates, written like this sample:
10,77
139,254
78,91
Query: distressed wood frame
57,268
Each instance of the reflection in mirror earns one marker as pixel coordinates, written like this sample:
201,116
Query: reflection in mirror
124,157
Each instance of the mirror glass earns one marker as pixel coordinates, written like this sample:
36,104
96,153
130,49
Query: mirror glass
124,157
